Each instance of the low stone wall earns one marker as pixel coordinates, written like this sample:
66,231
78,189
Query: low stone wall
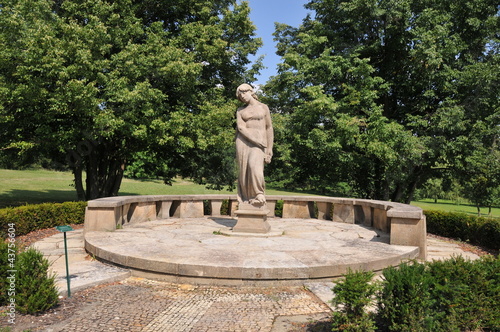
405,223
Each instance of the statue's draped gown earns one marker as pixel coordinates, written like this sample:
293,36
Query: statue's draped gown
252,125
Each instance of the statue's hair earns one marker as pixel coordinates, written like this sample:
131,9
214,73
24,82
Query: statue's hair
244,88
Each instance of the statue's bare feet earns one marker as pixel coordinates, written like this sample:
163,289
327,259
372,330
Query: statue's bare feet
259,200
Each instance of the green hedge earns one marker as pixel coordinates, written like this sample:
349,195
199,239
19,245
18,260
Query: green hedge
29,218
475,230
452,295
457,294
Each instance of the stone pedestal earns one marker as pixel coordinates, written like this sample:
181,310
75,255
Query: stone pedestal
252,219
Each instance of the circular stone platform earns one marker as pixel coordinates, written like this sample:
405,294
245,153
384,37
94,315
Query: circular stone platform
198,251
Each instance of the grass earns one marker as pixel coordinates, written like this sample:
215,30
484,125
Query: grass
450,206
40,186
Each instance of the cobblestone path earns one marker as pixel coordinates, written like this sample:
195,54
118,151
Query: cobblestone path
145,305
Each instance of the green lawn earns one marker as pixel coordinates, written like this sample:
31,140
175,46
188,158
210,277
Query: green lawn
445,205
39,186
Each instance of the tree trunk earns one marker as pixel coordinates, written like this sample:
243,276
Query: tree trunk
80,191
398,193
104,169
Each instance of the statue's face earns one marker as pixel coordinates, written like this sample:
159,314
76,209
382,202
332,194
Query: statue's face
246,96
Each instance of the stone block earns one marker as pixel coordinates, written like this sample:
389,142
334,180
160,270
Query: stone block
124,218
296,209
410,232
343,213
324,210
252,221
142,211
271,205
216,206
102,218
368,215
164,212
380,220
187,209
233,206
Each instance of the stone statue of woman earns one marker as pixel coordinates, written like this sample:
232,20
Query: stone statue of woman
254,146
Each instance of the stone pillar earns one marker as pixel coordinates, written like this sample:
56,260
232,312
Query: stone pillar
324,210
165,209
380,220
188,209
142,211
102,218
216,206
296,209
343,213
367,212
271,205
233,206
410,232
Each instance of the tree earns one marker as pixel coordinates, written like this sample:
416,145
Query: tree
433,188
481,178
99,85
377,93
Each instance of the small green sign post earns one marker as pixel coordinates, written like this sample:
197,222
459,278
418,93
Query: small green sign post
65,229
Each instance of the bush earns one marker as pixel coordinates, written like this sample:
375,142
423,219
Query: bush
4,267
352,296
35,289
405,302
452,295
29,218
467,292
476,230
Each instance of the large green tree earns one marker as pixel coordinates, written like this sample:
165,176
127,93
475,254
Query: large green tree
379,95
102,85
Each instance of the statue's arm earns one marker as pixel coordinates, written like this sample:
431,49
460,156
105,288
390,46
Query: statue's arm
270,135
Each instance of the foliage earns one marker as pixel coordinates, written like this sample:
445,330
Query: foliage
468,292
35,290
29,218
100,85
481,177
405,302
476,230
352,296
386,100
452,295
433,189
4,267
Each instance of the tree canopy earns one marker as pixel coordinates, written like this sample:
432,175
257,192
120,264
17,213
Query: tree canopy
372,97
376,96
105,85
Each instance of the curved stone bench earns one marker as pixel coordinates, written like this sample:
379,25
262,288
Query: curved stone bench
406,224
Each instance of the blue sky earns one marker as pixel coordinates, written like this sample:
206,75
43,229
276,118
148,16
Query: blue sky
264,14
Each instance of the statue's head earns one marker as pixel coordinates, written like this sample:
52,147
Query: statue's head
245,88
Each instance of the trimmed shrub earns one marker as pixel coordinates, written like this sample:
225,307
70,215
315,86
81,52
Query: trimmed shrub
476,230
4,267
467,292
352,296
451,295
405,302
35,289
29,218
